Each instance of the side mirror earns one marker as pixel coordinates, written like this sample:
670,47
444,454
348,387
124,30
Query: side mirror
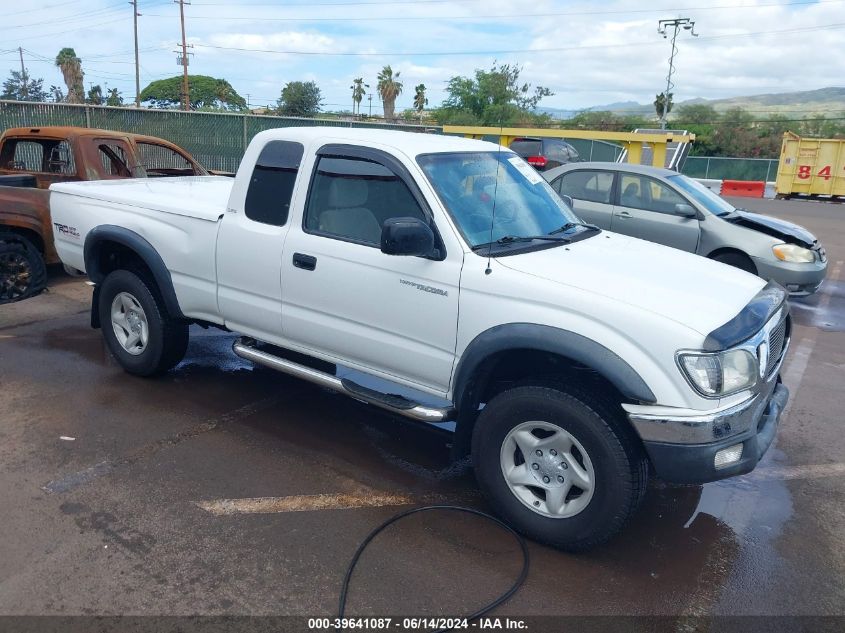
685,210
407,236
568,200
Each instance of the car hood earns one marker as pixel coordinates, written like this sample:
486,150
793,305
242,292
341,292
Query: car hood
689,289
781,229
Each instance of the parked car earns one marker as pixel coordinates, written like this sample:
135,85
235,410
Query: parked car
31,159
572,361
669,208
545,153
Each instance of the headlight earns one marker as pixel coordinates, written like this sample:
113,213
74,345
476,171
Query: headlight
793,253
715,375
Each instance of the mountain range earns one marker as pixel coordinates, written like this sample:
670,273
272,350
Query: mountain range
807,102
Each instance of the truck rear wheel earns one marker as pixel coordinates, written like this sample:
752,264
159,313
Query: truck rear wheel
558,465
23,273
139,332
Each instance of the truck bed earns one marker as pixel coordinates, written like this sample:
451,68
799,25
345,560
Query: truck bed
200,197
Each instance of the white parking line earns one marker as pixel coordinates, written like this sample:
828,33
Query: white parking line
308,503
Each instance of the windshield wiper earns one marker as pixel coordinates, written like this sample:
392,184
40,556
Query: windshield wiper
572,225
515,239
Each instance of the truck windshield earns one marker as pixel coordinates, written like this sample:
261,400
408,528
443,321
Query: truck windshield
470,185
706,198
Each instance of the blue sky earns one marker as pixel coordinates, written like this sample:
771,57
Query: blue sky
588,53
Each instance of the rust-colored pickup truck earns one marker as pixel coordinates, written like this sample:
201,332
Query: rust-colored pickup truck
32,159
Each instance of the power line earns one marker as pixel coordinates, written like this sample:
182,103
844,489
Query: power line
477,17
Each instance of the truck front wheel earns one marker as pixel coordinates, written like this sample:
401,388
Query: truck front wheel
139,332
558,465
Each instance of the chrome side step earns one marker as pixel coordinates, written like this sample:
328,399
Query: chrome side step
393,403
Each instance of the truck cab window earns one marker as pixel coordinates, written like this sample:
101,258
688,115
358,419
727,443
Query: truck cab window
350,198
113,156
160,160
271,186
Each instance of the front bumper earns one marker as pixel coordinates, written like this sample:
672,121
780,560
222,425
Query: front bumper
799,279
752,424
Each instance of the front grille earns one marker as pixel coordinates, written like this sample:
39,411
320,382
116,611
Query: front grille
776,340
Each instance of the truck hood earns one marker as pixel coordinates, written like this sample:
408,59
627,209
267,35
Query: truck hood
781,229
691,290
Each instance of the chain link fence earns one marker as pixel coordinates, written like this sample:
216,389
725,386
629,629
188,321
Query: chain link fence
216,140
721,168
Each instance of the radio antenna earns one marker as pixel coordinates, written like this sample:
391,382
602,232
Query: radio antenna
489,270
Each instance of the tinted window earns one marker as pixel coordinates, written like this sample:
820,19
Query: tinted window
159,160
271,186
641,192
527,147
350,198
594,186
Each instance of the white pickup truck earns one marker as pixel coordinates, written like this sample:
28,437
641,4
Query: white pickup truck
442,279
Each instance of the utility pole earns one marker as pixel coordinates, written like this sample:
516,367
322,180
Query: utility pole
370,99
135,15
186,96
24,78
676,24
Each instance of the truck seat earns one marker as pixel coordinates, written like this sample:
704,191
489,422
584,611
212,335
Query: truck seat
346,215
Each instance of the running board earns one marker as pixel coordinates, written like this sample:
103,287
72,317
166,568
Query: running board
391,402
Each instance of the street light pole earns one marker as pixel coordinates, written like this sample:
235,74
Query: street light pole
676,25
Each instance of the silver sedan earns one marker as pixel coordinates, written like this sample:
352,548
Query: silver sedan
666,207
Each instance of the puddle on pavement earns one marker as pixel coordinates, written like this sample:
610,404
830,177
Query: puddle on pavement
820,311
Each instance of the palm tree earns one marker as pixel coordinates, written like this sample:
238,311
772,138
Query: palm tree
420,101
358,91
71,67
389,87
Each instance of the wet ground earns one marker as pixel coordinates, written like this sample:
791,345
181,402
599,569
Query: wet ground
122,495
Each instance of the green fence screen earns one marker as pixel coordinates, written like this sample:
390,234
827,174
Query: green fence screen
216,140
721,168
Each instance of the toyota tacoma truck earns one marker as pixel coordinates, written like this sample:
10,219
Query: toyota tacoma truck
444,280
33,158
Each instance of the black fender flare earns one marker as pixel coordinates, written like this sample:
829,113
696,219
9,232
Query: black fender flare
143,249
541,338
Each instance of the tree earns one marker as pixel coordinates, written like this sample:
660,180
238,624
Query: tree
20,87
205,92
71,67
95,95
697,113
493,97
358,91
114,98
420,100
662,102
299,98
389,87
56,94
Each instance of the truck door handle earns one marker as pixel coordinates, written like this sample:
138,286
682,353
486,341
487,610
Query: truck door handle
624,214
305,262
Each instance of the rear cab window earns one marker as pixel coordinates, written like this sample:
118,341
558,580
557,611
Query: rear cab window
47,156
270,191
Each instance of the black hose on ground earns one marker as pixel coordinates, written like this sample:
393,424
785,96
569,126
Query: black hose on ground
484,610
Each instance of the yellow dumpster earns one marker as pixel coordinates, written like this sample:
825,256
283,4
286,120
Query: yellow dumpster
811,167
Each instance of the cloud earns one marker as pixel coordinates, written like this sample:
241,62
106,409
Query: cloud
612,51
